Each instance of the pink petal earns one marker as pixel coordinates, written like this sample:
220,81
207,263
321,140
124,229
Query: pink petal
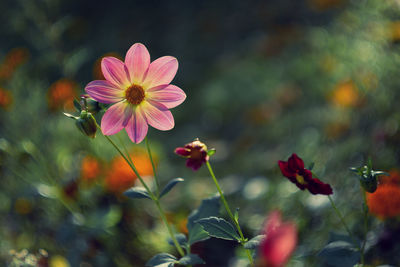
137,60
116,118
137,127
115,71
104,92
157,115
161,71
169,95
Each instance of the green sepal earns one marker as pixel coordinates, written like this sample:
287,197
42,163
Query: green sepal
70,116
191,259
162,260
137,192
219,228
254,242
170,185
181,238
77,105
211,152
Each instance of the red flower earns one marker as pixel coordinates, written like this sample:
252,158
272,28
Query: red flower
279,243
295,171
195,152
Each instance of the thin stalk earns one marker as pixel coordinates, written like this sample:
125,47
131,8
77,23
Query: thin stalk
236,223
152,196
153,165
365,226
342,220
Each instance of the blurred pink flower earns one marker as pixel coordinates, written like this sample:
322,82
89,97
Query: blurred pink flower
279,243
140,91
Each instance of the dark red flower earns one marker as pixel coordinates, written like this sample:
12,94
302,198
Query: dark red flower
195,152
295,171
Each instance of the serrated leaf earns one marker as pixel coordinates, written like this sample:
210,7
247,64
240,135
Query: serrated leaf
219,228
181,238
254,242
209,207
170,185
162,260
137,192
340,254
191,259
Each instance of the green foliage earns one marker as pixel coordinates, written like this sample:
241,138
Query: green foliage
170,185
209,207
191,259
340,254
137,192
219,228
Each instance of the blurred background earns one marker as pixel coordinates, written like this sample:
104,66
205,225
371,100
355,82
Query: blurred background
263,79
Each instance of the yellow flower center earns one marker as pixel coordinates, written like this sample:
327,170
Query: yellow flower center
134,94
300,179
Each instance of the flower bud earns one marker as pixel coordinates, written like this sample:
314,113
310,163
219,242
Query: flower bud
196,153
368,177
86,123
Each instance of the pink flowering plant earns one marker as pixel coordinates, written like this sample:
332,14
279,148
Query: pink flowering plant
137,93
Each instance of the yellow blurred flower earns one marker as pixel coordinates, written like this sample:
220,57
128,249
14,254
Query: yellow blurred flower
394,31
58,261
120,176
5,98
346,94
61,94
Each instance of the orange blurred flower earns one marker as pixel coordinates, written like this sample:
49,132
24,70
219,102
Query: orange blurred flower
394,31
120,177
12,61
97,73
90,169
61,94
345,95
385,201
5,98
393,178
322,5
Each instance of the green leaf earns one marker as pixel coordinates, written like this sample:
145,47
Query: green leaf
219,228
254,242
162,260
311,166
191,259
112,217
339,254
170,185
181,238
209,207
137,192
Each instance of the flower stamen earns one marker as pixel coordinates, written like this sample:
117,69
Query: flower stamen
134,94
300,179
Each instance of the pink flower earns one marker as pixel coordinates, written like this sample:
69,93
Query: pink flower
279,243
140,91
195,152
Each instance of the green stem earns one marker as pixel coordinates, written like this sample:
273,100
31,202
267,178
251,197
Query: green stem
342,220
236,223
153,165
152,196
365,208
